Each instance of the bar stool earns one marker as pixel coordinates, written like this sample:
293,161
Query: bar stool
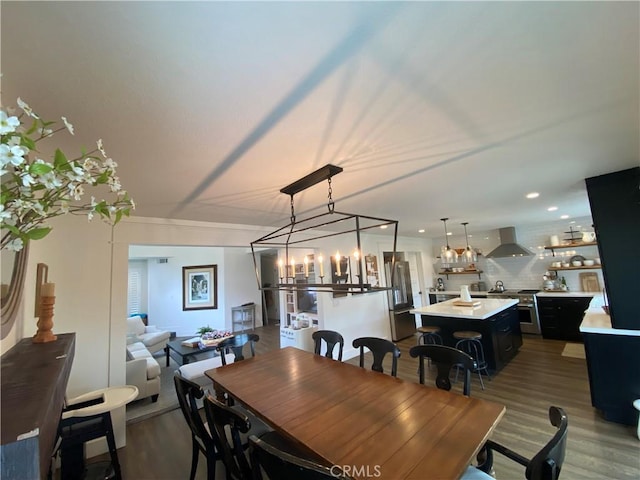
429,335
469,342
86,418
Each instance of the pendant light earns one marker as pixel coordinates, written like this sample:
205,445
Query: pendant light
449,255
469,253
298,277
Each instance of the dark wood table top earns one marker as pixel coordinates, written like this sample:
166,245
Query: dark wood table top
347,415
176,346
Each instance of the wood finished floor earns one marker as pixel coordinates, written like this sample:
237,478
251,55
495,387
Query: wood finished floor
539,376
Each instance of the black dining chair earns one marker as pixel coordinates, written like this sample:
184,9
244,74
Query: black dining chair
444,358
379,347
545,465
331,339
229,423
236,345
278,464
202,440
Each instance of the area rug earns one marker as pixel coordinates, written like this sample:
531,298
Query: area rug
167,400
574,350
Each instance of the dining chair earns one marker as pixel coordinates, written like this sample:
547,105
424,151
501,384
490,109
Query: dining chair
278,464
379,347
331,339
202,439
228,424
545,465
236,345
444,358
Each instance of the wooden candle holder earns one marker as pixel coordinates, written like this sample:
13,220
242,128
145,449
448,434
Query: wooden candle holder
45,322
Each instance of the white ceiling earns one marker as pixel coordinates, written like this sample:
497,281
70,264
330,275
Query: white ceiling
433,109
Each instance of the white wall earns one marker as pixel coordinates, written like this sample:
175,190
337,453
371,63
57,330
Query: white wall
165,291
236,284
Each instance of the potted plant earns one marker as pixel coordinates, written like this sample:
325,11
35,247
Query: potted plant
204,330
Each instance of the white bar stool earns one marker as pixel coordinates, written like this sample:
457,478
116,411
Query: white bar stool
88,417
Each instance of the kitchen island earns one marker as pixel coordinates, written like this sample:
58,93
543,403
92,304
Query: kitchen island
496,319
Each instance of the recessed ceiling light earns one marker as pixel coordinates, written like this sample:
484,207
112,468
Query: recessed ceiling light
533,195
552,209
383,226
573,221
421,230
564,217
448,233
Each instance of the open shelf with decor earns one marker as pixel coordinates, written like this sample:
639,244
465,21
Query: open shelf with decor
583,267
553,248
467,272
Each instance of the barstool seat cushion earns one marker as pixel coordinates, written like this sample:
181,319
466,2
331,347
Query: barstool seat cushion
428,329
467,334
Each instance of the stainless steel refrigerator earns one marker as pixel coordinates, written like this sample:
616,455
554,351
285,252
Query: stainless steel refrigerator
403,323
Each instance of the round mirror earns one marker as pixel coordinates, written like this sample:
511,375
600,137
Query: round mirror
14,265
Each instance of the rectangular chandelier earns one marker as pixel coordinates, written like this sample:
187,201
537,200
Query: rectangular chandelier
342,277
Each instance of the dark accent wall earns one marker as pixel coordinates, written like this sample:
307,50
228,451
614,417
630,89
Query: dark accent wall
615,209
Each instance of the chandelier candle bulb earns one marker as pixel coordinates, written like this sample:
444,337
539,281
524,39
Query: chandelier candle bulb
281,268
320,260
306,266
293,268
356,255
338,264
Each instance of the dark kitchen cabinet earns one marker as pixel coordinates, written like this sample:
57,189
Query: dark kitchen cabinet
560,317
615,208
614,372
508,337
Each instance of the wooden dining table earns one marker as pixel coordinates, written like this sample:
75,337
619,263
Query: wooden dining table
371,423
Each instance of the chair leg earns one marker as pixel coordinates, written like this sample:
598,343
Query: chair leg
480,377
111,442
195,453
211,467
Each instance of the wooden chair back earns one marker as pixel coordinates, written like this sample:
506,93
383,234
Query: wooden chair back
331,339
444,358
236,344
379,347
203,440
228,424
283,465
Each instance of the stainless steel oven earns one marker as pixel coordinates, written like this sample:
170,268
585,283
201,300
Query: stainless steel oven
527,311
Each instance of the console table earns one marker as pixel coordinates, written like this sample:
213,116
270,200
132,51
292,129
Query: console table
243,315
34,382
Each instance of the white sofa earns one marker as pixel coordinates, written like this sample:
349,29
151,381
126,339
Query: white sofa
153,338
143,371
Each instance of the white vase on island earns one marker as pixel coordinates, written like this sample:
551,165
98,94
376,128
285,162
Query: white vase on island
465,296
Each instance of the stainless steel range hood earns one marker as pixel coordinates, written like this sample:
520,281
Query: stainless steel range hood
508,245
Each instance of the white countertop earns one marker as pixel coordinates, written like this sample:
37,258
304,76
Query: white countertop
487,308
457,292
567,294
596,321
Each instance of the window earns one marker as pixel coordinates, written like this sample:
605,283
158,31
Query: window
134,291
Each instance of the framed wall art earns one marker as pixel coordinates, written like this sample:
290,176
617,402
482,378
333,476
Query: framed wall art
200,287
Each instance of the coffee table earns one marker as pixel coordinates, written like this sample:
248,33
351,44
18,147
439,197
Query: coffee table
183,354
